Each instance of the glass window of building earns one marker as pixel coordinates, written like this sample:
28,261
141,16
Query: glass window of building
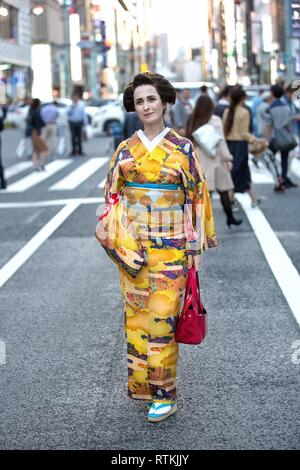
8,22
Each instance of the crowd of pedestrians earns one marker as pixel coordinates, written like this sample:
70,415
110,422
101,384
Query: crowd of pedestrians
272,124
42,139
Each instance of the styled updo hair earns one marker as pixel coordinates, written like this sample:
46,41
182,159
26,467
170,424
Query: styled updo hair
163,87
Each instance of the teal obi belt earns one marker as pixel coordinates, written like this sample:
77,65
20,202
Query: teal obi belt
154,186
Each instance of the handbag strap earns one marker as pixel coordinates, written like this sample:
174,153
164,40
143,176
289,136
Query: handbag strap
192,291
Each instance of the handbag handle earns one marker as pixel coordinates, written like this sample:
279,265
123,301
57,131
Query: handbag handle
192,291
192,285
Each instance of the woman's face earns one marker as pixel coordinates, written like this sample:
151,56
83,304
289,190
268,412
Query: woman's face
148,104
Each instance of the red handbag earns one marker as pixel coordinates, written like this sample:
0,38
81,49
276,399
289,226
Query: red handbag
191,326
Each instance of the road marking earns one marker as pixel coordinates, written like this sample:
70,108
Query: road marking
37,177
295,167
102,183
15,263
281,265
2,353
50,202
78,176
17,168
260,175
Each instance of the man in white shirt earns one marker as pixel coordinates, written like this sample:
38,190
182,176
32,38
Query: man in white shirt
77,120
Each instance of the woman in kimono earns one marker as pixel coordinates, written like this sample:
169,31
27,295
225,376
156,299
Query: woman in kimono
162,186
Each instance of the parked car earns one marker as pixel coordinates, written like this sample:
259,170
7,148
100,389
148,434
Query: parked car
109,116
92,106
16,115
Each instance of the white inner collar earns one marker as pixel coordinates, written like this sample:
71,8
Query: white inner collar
151,144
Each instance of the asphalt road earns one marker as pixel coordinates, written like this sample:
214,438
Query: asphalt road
63,377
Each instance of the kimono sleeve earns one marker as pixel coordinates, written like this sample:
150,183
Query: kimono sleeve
115,179
198,210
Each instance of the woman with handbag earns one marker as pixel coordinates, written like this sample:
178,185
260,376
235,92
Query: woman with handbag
35,125
158,218
213,153
236,120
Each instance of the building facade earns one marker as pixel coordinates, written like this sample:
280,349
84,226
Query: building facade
253,41
15,49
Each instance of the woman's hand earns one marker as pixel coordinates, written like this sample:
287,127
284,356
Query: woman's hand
194,261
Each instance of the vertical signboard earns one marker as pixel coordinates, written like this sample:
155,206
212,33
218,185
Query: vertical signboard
294,18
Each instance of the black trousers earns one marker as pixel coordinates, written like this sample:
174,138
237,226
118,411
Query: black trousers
2,178
76,136
284,164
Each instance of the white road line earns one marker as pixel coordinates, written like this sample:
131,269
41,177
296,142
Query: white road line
37,177
54,202
281,265
102,183
15,263
79,175
261,175
295,167
17,168
2,353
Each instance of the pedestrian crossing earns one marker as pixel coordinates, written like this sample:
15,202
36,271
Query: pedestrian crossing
72,181
84,171
81,174
17,168
37,177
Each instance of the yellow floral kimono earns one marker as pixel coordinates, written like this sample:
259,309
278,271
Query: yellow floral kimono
167,201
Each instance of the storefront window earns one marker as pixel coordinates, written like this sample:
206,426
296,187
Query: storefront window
8,22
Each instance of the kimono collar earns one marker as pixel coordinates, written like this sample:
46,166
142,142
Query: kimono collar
151,144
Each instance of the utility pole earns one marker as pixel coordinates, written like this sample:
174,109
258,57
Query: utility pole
67,61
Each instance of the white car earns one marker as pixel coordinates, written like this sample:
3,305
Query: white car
108,116
16,115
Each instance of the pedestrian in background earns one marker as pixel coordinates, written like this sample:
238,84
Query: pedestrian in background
257,100
236,120
217,168
49,114
279,116
2,177
132,123
158,173
261,115
223,102
295,127
77,120
182,111
35,124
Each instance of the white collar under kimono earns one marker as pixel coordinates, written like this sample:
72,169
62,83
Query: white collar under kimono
151,144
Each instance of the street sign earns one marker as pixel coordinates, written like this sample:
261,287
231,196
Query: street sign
294,18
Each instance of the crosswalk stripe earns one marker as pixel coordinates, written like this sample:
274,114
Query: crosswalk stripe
78,176
37,177
295,167
17,168
15,263
102,183
260,175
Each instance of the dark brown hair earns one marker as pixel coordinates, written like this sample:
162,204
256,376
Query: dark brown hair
202,113
236,95
163,87
35,103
